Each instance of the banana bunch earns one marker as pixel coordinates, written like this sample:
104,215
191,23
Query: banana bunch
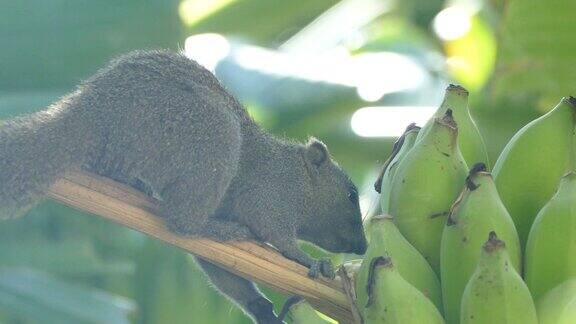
438,214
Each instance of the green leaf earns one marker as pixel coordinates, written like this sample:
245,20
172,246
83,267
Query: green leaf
262,21
169,289
55,44
537,51
471,58
68,257
37,296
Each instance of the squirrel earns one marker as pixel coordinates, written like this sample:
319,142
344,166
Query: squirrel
158,121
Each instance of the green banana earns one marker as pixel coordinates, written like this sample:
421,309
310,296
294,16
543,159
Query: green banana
382,185
387,240
477,212
529,168
558,306
425,185
469,138
299,311
496,293
392,300
401,148
551,247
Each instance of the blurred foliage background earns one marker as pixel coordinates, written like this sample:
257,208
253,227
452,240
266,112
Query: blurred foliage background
302,67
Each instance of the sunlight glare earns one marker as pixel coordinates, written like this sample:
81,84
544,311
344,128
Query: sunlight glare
372,74
207,49
389,121
452,23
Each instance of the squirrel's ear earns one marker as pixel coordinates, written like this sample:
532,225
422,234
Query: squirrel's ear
316,152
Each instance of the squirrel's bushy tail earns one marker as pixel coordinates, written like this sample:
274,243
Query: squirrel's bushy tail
34,151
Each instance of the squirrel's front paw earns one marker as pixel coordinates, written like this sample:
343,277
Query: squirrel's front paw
321,267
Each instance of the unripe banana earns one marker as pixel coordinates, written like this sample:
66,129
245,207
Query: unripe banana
558,306
401,148
299,311
477,212
469,138
392,300
529,168
496,293
387,240
425,185
551,247
382,185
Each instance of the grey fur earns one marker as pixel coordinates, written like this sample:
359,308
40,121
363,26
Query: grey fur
158,120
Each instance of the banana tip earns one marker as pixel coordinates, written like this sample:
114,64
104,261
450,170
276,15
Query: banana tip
477,168
572,101
411,127
448,119
457,88
381,261
493,243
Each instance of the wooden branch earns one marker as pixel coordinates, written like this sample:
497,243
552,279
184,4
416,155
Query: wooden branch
251,260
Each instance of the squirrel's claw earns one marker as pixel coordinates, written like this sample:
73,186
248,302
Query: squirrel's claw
321,267
327,269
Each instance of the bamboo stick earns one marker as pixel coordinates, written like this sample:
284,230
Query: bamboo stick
251,260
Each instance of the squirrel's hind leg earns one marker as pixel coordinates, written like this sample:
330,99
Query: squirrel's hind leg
242,292
189,210
195,173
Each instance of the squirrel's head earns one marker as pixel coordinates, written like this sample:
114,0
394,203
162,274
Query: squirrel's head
335,222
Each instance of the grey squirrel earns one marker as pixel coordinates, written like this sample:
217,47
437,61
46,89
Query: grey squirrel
160,122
